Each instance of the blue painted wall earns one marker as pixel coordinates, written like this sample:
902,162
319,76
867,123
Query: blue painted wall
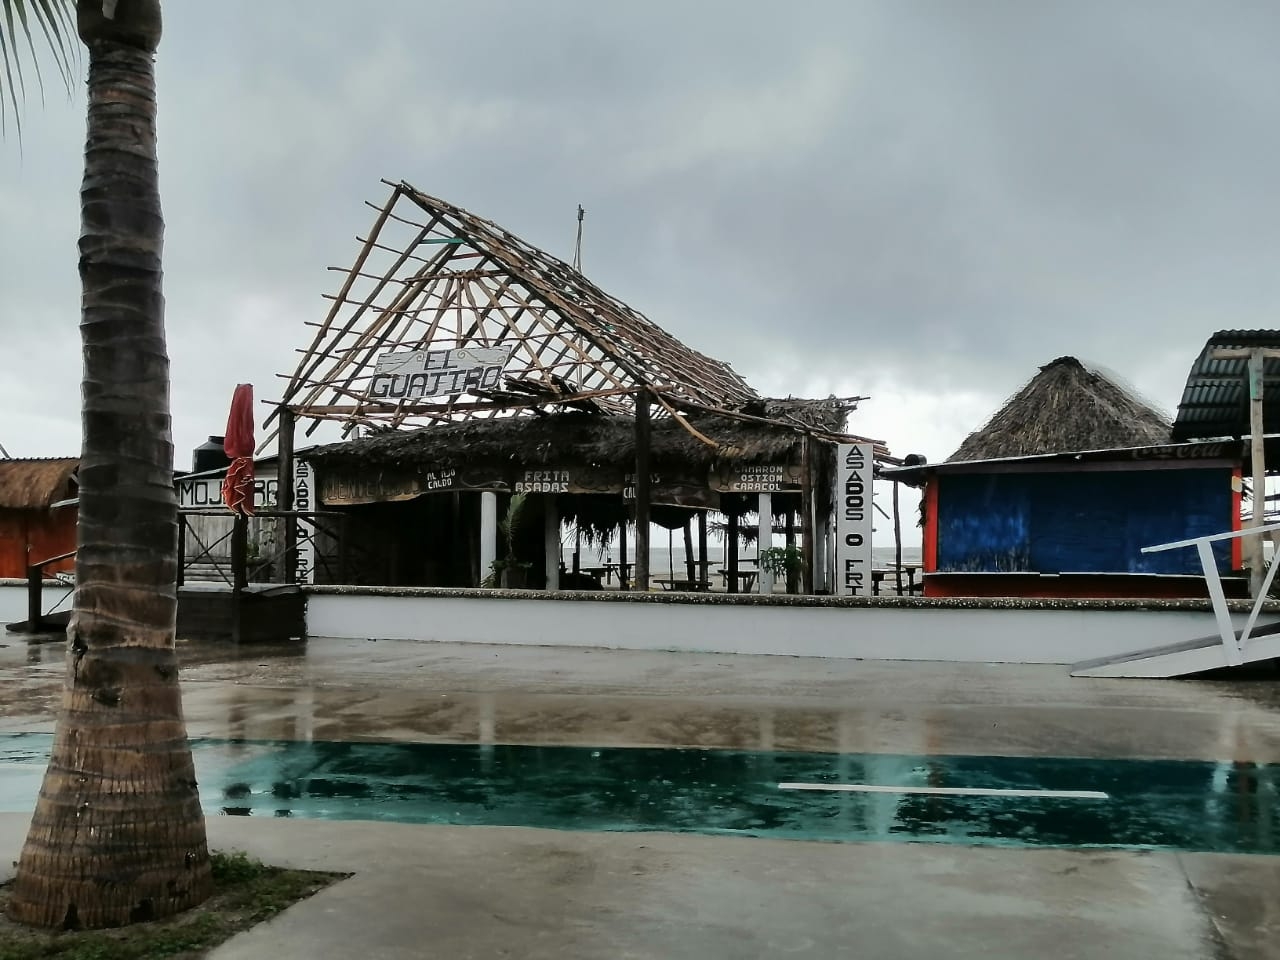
1081,522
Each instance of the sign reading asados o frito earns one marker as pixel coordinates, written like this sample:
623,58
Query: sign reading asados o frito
422,374
854,479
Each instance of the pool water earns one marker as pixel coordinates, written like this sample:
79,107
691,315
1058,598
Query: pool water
1180,805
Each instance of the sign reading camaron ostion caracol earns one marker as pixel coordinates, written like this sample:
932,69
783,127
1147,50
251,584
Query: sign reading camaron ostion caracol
854,467
422,374
759,478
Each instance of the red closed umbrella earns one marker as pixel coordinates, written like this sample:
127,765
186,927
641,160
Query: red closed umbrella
237,488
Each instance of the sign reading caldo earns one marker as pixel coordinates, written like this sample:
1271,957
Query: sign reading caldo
421,374
854,479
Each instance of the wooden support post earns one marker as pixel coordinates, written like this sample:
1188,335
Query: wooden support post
1259,458
807,500
35,602
624,582
642,489
702,548
764,541
690,562
731,552
789,535
239,553
287,549
897,537
182,549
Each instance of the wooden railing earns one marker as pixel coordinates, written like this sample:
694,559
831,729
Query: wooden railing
35,590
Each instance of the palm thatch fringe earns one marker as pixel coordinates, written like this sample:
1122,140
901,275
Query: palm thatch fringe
576,438
1066,408
36,484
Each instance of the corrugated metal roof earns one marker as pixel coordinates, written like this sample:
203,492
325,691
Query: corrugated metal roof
1170,453
1215,400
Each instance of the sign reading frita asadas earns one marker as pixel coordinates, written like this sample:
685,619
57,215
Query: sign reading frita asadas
344,488
568,480
757,478
422,374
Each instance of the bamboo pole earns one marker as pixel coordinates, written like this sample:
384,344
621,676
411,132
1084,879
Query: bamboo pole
642,489
284,492
807,501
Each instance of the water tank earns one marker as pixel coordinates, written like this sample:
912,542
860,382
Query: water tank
209,456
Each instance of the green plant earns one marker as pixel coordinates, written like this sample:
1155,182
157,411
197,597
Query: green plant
781,561
510,567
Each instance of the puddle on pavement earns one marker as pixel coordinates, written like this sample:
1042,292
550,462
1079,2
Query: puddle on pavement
1182,805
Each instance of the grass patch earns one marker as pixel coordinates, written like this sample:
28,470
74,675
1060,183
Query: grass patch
246,893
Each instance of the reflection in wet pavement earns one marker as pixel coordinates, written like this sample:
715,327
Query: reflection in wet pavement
1183,805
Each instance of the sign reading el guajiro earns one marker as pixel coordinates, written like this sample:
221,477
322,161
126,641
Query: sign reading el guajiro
422,374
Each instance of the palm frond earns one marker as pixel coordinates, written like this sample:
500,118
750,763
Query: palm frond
57,25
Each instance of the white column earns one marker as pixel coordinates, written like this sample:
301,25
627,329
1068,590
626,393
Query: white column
551,527
488,533
764,540
819,555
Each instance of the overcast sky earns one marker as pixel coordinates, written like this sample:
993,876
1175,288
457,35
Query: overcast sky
918,201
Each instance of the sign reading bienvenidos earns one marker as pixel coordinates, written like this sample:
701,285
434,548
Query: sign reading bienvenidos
422,374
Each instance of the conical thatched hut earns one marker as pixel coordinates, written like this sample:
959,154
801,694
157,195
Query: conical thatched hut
1066,408
31,528
1057,494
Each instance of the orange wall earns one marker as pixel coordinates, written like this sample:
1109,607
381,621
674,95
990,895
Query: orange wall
28,536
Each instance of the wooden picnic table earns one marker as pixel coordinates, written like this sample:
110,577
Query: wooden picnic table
607,570
692,586
745,579
890,573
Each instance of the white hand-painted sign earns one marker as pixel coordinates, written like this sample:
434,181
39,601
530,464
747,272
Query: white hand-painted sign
854,479
421,374
304,501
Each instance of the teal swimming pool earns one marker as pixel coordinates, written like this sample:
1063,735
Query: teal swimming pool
1181,805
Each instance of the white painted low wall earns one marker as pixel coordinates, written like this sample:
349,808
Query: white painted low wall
920,632
13,600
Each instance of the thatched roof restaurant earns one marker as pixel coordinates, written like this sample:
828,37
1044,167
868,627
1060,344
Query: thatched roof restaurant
524,376
703,461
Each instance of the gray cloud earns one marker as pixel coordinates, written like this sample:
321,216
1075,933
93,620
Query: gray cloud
920,200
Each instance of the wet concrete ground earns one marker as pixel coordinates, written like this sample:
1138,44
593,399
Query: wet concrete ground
909,900
460,693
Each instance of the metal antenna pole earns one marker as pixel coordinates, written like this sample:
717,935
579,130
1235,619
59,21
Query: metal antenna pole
577,245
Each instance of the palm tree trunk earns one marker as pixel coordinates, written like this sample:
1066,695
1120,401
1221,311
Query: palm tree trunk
118,835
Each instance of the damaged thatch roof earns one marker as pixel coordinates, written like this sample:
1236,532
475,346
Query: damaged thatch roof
433,276
35,484
593,439
1066,407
